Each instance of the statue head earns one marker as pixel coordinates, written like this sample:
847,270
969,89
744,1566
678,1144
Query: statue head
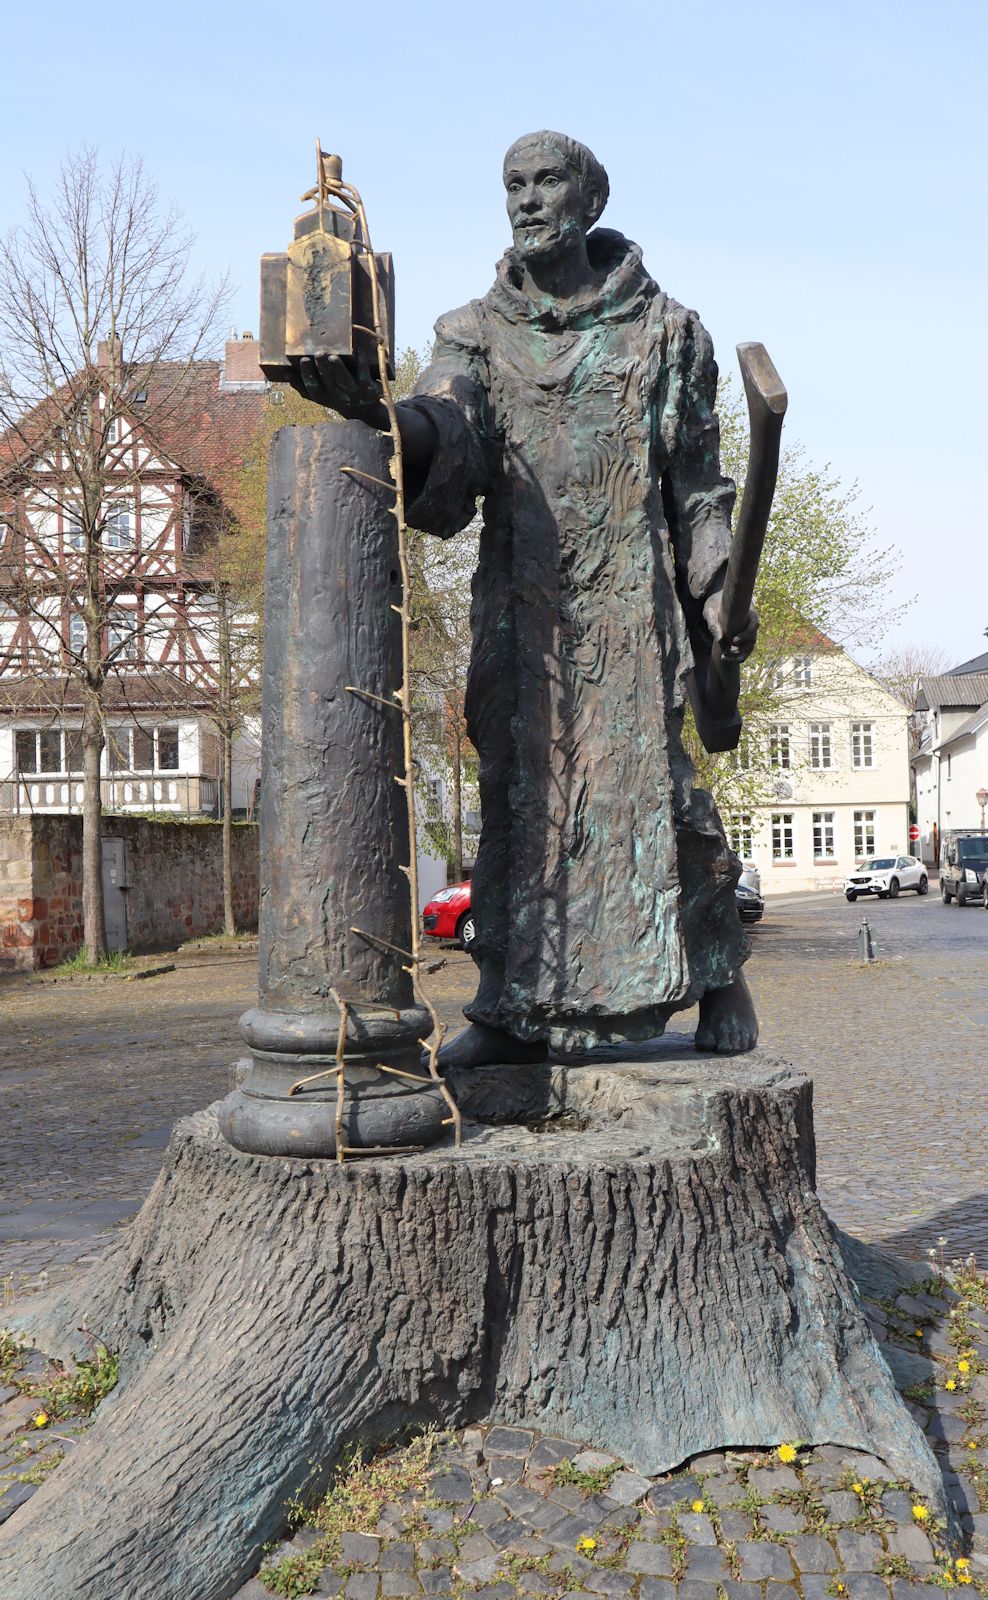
556,191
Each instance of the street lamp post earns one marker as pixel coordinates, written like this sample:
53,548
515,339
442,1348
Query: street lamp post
982,799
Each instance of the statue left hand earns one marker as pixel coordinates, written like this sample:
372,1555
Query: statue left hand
740,646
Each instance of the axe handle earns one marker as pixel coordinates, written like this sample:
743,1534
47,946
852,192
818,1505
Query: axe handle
767,401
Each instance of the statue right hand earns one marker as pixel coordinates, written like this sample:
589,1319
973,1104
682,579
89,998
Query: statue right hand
352,389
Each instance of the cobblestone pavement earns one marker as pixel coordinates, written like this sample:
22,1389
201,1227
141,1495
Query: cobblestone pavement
94,1074
503,1514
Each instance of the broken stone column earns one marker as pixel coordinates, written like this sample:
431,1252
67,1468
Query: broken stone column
335,911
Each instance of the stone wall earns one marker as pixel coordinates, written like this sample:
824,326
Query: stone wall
174,872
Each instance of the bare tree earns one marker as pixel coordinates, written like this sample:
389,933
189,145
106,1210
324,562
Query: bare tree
901,671
101,330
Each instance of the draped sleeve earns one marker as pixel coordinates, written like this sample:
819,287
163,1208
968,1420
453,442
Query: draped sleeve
699,497
453,392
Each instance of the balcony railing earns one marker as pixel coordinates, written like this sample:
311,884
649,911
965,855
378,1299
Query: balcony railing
191,794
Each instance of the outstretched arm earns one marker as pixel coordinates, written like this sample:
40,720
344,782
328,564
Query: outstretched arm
355,392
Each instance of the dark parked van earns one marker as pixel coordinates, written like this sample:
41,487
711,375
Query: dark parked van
964,867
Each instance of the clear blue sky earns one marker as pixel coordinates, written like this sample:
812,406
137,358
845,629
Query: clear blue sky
809,175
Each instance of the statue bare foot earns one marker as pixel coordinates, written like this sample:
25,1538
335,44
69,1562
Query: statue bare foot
478,1045
727,1023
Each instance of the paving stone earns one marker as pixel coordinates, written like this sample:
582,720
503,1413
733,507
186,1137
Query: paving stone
782,1519
691,1589
519,1500
476,1546
399,1556
439,1518
714,1461
510,1535
545,1515
623,1519
722,1491
769,1480
453,1485
549,1452
842,1506
964,1496
864,1465
570,1562
654,1560
361,1548
911,1543
362,1586
979,1533
706,1561
472,1440
399,1584
593,1461
650,1527
656,1589
505,1469
866,1586
253,1589
508,1442
566,1534
435,1580
627,1488
484,1570
736,1525
698,1528
815,1585
859,1552
812,1554
487,1513
676,1489
898,1506
536,1583
613,1584
760,1559
495,1591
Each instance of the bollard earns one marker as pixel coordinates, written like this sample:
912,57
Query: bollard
866,944
333,820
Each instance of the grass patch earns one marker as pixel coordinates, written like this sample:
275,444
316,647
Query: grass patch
564,1475
80,963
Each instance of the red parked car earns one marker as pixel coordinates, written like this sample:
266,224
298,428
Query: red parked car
448,915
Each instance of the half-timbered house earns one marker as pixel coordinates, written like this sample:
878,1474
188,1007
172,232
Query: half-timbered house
169,469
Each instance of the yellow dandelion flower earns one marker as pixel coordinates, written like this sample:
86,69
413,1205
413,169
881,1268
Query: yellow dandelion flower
950,1384
920,1513
963,1577
41,1420
586,1545
963,1366
858,1488
962,1563
972,1444
787,1452
696,1505
917,1333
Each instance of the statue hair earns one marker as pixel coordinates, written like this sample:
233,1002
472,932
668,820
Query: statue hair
580,161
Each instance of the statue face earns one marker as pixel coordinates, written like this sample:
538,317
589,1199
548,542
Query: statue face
546,204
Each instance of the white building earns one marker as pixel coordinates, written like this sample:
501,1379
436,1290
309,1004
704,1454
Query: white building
951,766
836,759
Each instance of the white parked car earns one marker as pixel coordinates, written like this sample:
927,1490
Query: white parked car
886,876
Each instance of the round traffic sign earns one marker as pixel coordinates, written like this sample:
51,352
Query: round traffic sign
913,833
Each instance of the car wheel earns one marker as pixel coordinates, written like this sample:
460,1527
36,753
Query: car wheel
961,895
944,893
466,930
894,889
851,897
923,887
984,892
882,894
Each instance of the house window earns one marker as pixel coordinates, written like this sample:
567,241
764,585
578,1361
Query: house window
862,744
779,745
118,749
77,634
739,833
74,758
742,758
118,528
38,751
864,834
167,749
142,750
802,672
783,834
824,848
820,750
75,538
121,635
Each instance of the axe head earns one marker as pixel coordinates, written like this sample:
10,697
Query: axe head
762,384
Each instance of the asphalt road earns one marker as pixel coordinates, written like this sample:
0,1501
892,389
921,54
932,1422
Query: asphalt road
93,1075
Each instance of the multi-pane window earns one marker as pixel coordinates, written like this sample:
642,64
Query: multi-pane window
783,836
48,750
72,527
77,634
739,833
864,834
118,527
779,745
143,749
742,759
121,635
862,744
824,846
821,754
802,672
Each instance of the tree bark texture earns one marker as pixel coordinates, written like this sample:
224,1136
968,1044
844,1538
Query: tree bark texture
93,919
655,1276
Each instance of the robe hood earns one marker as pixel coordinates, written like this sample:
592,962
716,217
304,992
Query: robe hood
621,294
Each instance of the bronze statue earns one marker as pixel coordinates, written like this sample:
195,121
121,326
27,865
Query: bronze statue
577,398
